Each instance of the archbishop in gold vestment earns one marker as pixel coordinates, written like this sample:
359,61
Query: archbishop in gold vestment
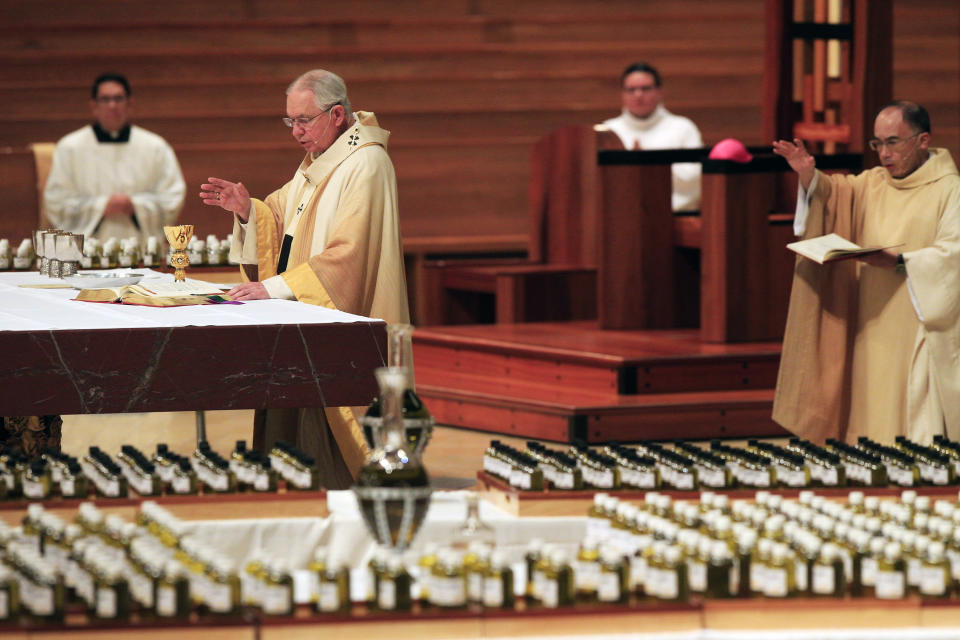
868,350
346,254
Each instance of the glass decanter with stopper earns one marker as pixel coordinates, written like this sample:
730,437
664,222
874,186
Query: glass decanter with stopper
417,421
393,488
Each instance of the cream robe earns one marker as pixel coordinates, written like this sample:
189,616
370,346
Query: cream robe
85,173
869,351
347,254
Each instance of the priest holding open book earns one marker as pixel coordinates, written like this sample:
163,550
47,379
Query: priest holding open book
872,345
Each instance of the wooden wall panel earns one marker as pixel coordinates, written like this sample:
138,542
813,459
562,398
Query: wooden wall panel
441,93
264,126
426,176
926,64
437,72
121,12
583,57
371,31
17,183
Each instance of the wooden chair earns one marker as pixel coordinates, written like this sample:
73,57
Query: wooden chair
557,281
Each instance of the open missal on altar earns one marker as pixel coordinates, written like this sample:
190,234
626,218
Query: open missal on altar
157,293
830,248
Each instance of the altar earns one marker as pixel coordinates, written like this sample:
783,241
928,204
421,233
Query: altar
60,355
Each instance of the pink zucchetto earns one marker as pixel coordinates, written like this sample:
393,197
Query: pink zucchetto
730,149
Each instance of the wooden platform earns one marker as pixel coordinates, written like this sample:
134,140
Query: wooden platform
226,506
562,503
567,381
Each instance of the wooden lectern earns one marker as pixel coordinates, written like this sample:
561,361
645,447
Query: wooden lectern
746,269
636,281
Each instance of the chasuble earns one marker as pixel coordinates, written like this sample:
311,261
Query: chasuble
344,251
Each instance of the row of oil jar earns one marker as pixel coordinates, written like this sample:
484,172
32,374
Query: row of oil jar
127,252
761,465
661,550
113,567
669,550
56,474
771,547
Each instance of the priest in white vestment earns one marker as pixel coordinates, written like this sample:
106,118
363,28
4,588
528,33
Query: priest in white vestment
872,347
646,124
112,178
331,237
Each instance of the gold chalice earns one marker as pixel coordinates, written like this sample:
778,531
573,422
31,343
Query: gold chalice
179,237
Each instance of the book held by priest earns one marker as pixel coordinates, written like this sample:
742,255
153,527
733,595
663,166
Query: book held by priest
830,248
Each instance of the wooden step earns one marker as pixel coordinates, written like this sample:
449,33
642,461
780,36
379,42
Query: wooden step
545,360
571,380
597,418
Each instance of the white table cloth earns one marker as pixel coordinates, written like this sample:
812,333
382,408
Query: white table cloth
30,309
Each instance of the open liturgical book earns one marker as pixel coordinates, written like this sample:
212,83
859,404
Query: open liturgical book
831,247
157,293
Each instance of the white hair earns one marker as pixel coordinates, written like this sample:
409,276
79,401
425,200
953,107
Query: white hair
328,89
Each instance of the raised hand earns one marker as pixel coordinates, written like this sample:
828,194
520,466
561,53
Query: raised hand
232,196
798,158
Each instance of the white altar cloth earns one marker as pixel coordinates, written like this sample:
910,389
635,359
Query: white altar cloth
29,309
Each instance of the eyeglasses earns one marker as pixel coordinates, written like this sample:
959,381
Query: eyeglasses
890,143
109,99
304,122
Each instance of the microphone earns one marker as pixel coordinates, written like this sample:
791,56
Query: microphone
321,135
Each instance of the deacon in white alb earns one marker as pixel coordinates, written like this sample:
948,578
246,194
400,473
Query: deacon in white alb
112,178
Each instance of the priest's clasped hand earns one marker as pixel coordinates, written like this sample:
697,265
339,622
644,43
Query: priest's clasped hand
118,205
249,291
232,196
